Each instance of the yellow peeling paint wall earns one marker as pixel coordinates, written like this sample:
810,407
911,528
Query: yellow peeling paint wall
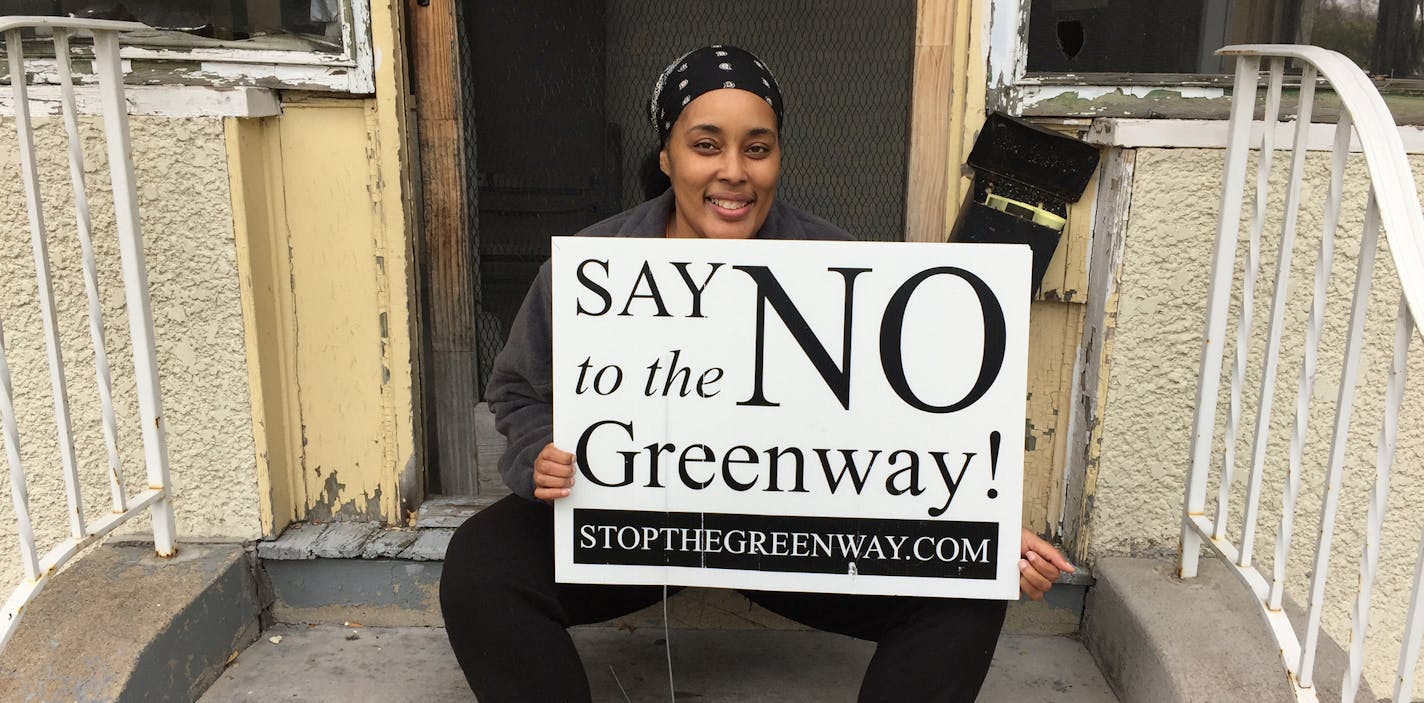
1153,373
186,217
325,242
339,290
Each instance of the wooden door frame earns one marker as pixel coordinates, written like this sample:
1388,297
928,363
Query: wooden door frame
947,101
447,258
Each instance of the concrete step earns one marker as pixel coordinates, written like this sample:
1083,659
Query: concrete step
335,664
334,572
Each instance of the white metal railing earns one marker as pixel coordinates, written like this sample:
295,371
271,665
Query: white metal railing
156,496
1392,207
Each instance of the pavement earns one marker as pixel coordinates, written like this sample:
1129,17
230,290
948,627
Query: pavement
325,663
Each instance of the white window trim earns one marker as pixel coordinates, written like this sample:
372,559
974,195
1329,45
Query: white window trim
157,100
1006,52
1135,133
351,71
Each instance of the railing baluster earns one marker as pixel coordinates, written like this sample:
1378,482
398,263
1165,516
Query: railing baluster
91,275
1306,387
150,403
40,248
1304,108
1244,323
1369,245
19,494
1413,633
1379,500
1238,145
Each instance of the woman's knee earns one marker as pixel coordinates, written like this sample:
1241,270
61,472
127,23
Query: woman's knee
493,554
979,620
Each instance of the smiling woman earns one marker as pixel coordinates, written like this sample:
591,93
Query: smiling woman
717,112
724,159
718,115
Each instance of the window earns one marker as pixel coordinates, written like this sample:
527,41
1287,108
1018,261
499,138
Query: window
1147,36
306,44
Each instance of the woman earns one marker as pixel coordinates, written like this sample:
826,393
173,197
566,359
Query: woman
718,115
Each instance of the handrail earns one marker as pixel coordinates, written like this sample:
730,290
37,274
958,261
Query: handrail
156,498
1392,209
1383,150
76,23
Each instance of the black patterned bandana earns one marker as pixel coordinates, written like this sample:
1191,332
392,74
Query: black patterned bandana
707,69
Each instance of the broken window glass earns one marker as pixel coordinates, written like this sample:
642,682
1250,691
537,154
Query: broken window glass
1384,37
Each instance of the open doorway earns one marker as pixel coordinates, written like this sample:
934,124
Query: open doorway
555,123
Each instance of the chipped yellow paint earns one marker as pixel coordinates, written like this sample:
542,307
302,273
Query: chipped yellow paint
1079,548
393,157
264,270
325,243
337,300
1055,330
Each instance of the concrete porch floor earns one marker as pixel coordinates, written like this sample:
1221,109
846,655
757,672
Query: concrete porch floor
325,663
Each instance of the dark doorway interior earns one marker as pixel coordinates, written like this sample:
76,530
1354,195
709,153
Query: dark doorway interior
560,89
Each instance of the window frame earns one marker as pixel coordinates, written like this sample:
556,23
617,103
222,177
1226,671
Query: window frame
350,71
1012,88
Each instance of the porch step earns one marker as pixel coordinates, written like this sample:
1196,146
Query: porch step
349,571
1161,638
339,665
121,624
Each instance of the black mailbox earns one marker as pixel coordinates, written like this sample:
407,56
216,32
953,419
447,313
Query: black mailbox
1024,178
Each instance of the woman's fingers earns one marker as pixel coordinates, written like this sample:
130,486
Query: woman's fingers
553,473
555,455
1045,568
1034,544
1031,582
1040,566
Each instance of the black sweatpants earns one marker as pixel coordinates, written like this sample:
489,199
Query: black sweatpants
507,619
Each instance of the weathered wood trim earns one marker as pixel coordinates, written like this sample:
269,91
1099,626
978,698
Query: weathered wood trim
446,255
253,56
264,274
946,112
1055,329
1007,52
189,71
157,100
1091,371
1211,134
359,46
931,121
393,163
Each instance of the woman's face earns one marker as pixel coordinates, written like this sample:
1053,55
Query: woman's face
723,157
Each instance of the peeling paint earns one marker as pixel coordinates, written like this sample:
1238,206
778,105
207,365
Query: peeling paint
1062,296
1117,101
328,507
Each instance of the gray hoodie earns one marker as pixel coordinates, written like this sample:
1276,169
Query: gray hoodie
520,390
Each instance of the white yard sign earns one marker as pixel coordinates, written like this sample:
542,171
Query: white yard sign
842,417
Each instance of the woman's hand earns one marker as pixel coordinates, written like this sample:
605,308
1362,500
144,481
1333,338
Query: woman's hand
1039,566
553,473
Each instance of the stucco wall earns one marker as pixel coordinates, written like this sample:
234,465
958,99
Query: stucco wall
1153,375
186,215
